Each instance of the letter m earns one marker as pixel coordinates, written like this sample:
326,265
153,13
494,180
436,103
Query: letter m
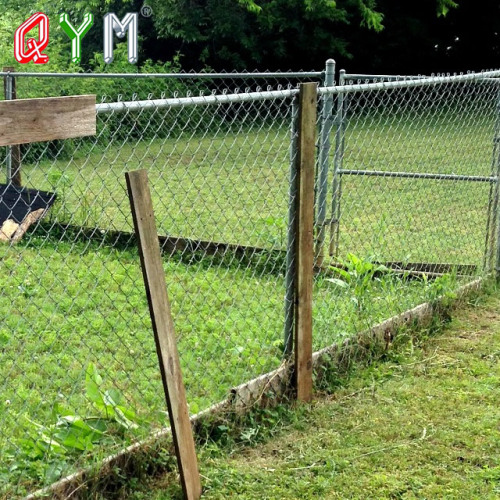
128,23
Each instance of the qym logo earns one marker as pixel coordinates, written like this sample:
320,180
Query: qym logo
35,46
32,49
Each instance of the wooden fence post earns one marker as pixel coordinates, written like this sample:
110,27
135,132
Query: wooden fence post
163,328
304,267
15,150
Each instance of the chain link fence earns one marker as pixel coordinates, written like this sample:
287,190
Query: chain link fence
406,206
412,174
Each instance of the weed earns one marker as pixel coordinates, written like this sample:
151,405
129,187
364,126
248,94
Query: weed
358,275
48,446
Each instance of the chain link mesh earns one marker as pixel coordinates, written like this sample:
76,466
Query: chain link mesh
413,191
72,293
76,332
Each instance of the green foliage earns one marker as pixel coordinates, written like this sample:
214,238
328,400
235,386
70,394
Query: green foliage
443,288
74,433
358,276
444,6
109,402
247,33
250,5
233,34
276,237
50,448
369,16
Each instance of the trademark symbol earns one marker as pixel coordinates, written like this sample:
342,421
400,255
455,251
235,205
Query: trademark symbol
146,11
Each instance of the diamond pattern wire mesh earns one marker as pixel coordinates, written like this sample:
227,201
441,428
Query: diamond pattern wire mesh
443,129
398,153
72,294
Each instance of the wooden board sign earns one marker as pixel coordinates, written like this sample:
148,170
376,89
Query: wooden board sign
47,119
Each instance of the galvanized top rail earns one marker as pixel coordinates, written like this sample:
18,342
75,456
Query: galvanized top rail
390,78
175,76
365,76
419,175
485,76
176,102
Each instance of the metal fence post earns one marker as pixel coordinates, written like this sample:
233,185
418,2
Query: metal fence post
13,156
489,245
337,166
7,87
494,213
323,162
290,249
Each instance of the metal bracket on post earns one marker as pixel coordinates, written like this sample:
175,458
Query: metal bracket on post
323,162
13,156
8,97
337,167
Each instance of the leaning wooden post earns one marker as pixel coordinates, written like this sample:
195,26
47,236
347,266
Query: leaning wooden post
13,152
304,240
163,328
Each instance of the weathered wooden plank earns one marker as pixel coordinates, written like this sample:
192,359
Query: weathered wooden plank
163,328
32,120
12,232
304,240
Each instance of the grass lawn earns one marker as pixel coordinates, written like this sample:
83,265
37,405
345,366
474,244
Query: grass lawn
228,181
68,305
424,423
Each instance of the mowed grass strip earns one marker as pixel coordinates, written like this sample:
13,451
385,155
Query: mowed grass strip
424,423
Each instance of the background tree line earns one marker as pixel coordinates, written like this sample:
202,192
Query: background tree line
382,36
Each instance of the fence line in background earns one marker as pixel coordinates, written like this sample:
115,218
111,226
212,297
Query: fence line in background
173,76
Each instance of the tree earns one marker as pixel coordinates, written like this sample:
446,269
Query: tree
259,33
415,40
364,35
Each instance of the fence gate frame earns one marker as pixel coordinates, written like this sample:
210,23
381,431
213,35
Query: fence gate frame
491,260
